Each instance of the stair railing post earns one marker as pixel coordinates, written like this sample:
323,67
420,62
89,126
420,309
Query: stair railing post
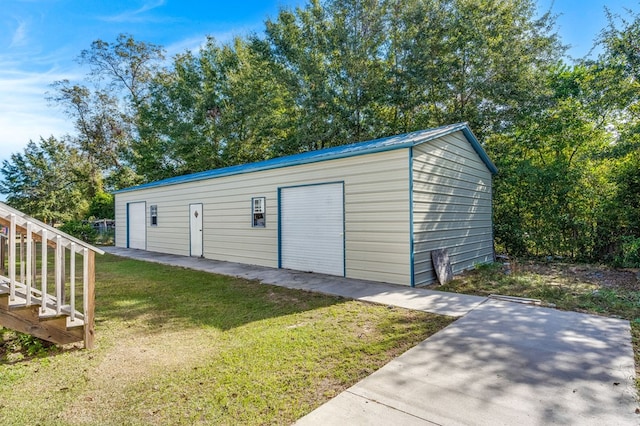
63,275
29,261
3,253
22,241
43,271
12,258
59,283
72,281
34,263
89,296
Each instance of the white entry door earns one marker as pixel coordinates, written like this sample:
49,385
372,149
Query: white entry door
195,229
137,225
312,228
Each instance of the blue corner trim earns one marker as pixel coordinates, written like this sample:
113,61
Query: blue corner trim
128,225
344,233
412,266
361,148
279,228
479,149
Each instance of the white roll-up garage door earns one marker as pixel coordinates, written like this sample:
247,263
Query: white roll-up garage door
312,228
137,225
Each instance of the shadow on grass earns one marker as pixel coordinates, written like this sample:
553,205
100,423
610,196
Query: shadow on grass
18,348
129,290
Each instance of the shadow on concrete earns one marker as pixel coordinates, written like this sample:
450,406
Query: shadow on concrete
506,363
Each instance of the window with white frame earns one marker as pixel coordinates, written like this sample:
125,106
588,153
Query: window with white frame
154,215
258,212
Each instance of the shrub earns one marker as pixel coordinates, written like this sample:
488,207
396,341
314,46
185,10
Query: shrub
81,230
629,256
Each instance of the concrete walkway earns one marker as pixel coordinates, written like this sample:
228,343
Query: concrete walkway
500,364
388,294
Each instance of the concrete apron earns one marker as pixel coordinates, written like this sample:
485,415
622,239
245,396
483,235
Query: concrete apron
502,364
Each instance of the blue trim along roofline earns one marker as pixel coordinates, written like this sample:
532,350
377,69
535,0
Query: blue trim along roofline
360,148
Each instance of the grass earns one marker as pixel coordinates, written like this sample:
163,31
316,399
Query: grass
562,286
176,346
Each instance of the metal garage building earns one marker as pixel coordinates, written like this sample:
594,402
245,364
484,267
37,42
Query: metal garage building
372,210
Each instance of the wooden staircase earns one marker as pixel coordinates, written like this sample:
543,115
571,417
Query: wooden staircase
47,280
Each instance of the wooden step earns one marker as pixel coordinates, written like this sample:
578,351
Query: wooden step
26,319
20,301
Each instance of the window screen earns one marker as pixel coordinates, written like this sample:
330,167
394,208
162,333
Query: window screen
154,215
258,212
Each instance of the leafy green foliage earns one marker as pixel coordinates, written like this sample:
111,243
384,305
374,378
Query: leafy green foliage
46,181
102,206
81,230
630,252
16,347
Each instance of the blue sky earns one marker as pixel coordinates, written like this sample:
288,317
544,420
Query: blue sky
39,40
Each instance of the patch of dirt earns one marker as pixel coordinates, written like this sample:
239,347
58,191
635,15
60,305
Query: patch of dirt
601,276
126,364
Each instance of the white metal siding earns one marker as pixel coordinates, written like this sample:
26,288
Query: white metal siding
137,224
312,228
451,205
376,216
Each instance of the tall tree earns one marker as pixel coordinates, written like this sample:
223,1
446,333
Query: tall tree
177,121
126,65
620,41
554,190
46,181
102,130
480,61
105,114
256,112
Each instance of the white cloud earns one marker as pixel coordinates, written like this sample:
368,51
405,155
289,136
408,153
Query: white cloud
24,112
19,35
135,15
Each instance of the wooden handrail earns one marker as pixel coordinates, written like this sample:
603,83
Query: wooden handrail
32,231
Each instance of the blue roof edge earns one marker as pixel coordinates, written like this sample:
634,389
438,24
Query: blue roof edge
405,140
475,143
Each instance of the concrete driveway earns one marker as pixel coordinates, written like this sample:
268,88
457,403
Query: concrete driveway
500,363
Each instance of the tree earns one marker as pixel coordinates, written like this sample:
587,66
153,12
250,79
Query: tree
177,120
553,194
256,111
364,68
103,131
621,59
127,65
102,206
105,117
47,181
480,61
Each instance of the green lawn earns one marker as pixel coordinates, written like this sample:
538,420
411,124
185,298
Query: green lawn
176,346
582,288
